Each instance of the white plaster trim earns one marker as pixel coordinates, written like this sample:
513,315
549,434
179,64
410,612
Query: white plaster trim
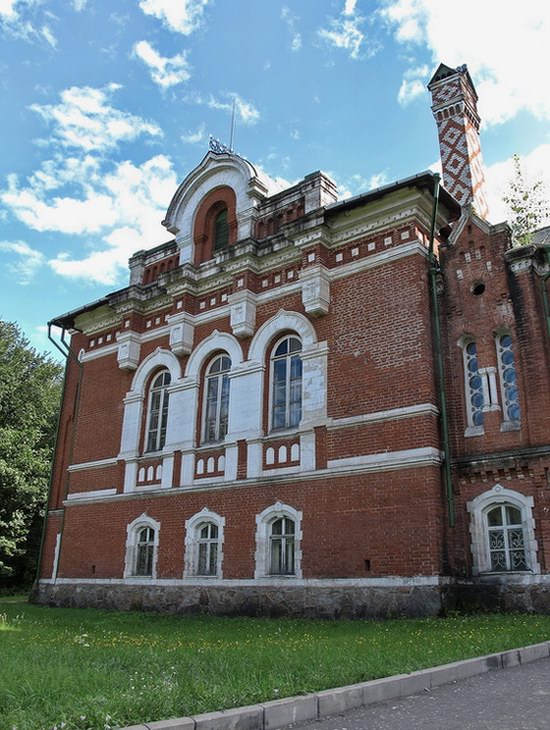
377,259
100,352
216,341
160,358
388,459
263,541
99,464
153,334
380,582
91,494
421,409
56,555
281,322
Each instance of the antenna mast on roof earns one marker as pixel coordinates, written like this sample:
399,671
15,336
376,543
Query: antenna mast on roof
232,133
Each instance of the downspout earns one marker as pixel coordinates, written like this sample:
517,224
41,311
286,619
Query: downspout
544,290
67,353
432,273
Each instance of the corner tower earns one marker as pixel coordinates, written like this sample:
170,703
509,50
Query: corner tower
454,106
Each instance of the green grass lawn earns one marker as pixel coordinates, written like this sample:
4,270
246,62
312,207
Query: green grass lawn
70,668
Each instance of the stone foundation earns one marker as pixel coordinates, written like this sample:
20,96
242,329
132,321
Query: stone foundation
297,601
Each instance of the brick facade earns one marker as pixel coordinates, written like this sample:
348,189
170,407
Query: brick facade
323,493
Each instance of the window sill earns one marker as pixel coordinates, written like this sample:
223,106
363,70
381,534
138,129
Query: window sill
510,426
474,431
283,433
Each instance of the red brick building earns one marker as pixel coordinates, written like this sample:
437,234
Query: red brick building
297,406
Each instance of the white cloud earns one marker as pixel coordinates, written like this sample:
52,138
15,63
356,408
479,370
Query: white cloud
413,84
180,16
535,166
28,262
346,32
291,19
79,5
195,137
509,66
84,119
246,112
165,72
18,20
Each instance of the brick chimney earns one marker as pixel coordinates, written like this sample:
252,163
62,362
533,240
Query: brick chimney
454,106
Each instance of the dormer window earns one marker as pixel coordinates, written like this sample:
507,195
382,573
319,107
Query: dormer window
221,231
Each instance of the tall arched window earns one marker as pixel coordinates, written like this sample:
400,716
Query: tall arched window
216,411
473,385
142,548
145,550
157,417
207,553
221,230
281,549
286,378
508,378
204,545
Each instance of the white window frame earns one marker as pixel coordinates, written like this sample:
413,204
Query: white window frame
164,402
219,376
192,541
273,359
472,429
132,534
264,522
478,509
508,424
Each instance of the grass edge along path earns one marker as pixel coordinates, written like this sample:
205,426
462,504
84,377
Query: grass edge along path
86,669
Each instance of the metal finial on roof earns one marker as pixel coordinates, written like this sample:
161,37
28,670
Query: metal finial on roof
217,147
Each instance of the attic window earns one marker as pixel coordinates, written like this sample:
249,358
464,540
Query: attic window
221,231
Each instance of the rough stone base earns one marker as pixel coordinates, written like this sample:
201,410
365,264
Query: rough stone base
470,596
298,601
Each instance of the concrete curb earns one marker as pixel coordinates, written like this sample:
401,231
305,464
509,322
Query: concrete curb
279,713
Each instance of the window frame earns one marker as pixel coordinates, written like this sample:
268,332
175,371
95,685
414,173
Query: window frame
507,422
220,378
163,411
192,544
133,531
264,525
271,384
472,429
479,509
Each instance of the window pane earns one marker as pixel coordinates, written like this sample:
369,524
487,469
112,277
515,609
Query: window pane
276,556
513,515
221,231
494,517
277,527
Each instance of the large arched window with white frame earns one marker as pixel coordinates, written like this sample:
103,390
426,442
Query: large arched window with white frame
142,548
216,403
503,532
511,412
204,545
157,412
286,383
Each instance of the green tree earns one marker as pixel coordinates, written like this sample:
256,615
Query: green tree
527,203
30,390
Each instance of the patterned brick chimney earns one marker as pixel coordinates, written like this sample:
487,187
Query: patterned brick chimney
454,106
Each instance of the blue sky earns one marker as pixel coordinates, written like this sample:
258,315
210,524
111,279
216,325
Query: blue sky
106,106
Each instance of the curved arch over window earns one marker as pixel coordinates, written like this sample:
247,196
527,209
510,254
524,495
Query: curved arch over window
204,545
215,225
286,383
278,541
157,412
142,548
503,532
508,378
216,399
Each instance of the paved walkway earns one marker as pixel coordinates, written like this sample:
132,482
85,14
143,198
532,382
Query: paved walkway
505,699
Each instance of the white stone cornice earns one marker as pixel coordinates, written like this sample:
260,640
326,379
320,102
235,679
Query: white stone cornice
98,464
422,409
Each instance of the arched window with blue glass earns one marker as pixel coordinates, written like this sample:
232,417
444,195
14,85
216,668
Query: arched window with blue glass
508,379
474,386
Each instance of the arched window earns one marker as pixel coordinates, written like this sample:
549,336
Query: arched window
157,417
221,230
142,548
216,411
282,555
503,532
203,545
473,385
286,379
508,379
278,539
505,538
